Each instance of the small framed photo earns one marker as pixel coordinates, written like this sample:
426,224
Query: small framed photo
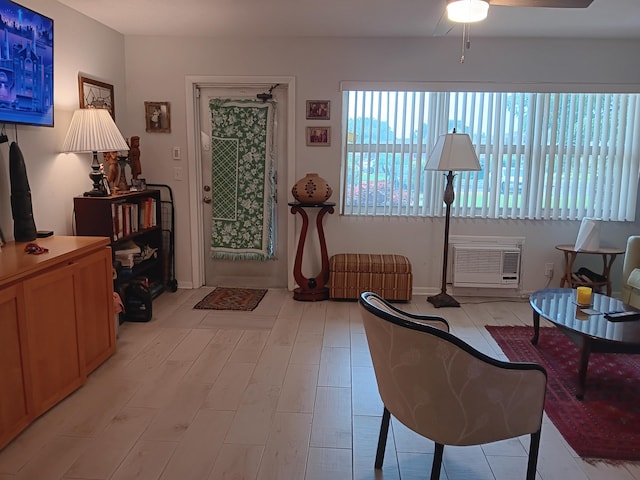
105,186
96,94
318,136
318,109
158,117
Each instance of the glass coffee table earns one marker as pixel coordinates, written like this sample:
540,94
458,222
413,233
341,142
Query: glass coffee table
586,326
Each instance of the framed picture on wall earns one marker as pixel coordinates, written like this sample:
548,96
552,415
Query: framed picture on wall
318,109
96,94
158,117
318,136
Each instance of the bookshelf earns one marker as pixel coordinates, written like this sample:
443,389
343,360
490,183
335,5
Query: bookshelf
132,221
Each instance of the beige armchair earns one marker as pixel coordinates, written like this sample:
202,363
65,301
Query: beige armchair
445,390
631,273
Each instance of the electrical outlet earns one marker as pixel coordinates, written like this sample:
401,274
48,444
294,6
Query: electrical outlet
548,270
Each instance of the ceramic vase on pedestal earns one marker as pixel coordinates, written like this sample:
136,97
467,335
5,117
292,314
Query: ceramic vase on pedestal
311,189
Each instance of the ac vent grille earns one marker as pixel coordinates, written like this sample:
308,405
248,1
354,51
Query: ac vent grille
486,266
474,261
511,262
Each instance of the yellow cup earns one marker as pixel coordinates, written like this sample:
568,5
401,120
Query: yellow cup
584,295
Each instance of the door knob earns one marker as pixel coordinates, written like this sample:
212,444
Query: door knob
206,199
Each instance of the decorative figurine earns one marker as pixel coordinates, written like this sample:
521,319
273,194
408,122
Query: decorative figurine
24,227
111,160
134,157
123,186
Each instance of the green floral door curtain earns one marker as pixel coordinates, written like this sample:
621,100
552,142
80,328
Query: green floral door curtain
242,179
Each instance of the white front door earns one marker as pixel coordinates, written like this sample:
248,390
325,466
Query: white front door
249,273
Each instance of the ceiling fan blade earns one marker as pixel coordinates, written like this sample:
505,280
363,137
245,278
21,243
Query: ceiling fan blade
542,3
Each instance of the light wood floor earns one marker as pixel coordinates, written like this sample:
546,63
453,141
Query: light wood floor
285,392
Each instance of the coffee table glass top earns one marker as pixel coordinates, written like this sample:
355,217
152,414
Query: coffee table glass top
559,306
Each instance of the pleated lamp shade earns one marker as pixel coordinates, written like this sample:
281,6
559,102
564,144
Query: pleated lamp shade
93,130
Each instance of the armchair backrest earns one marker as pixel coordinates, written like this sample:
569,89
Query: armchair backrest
631,277
444,389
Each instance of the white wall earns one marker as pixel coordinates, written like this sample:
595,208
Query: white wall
80,45
156,69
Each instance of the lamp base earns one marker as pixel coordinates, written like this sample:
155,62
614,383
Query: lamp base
443,300
96,193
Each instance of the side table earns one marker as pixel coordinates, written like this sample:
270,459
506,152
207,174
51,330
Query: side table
570,254
311,289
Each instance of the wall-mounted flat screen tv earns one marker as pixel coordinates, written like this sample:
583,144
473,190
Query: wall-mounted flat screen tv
26,66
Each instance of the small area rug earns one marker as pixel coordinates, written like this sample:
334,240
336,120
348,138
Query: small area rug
225,298
606,424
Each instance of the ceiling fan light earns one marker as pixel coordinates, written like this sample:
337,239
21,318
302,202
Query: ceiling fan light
467,11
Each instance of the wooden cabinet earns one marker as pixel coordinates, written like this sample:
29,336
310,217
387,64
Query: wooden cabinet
126,218
56,324
15,409
52,336
93,286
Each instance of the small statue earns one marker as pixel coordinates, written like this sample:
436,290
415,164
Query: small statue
122,186
24,227
134,157
111,159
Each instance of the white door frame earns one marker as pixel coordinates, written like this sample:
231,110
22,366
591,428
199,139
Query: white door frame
192,83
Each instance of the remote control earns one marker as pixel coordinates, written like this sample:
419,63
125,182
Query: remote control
622,316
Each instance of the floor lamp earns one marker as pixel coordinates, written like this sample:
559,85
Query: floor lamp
453,151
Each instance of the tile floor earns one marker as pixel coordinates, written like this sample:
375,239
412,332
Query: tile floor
285,392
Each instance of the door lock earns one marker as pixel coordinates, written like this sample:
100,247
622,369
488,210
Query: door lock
206,188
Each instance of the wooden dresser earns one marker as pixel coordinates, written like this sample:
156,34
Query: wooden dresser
56,324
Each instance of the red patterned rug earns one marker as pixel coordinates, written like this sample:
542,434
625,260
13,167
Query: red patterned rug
606,424
225,298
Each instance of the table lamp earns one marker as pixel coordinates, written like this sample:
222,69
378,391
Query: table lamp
453,151
93,130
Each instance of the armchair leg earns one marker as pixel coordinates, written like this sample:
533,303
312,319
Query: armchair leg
534,448
382,439
437,462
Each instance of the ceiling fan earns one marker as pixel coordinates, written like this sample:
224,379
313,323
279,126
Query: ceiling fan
479,10
470,11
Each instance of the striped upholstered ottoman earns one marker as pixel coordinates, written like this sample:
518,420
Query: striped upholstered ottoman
353,273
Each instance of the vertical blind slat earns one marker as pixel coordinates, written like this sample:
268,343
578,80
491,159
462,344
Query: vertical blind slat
544,156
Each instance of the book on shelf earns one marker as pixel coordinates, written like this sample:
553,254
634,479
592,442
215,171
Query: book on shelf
127,218
147,214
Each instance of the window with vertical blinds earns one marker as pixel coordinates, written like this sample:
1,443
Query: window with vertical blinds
558,156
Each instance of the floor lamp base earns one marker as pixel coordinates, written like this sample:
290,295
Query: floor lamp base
443,300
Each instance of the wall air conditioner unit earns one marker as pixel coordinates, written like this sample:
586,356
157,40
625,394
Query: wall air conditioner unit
486,266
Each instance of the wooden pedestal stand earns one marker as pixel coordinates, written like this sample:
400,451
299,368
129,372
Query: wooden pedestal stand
311,289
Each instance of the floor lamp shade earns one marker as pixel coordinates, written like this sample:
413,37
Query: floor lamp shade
93,130
453,151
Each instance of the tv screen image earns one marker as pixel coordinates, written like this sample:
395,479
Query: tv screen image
26,66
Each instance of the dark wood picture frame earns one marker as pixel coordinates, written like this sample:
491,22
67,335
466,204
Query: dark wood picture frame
157,117
96,94
318,109
318,136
